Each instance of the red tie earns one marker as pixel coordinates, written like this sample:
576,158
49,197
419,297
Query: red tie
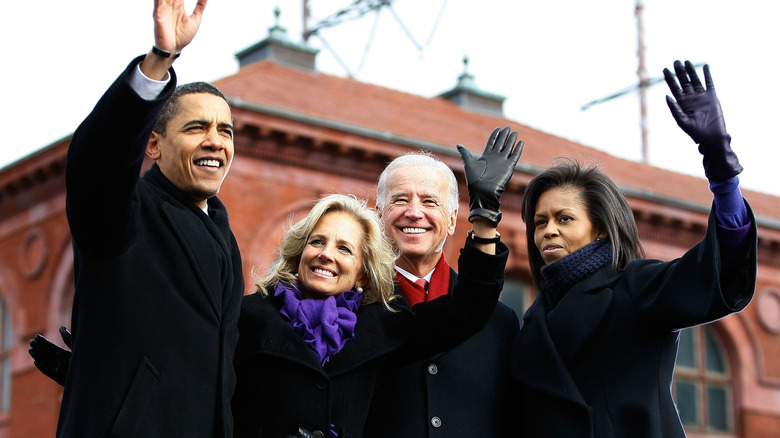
423,283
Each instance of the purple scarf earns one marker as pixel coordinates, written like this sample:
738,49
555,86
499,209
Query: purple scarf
326,325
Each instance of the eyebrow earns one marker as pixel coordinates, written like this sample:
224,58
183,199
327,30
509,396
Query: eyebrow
198,122
555,213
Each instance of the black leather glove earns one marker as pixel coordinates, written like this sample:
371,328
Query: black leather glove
698,112
487,176
302,433
50,359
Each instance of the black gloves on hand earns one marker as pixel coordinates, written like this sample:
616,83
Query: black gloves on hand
698,112
302,433
50,359
487,176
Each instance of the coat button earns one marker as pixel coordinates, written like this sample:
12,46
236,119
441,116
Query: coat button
433,369
321,384
436,422
318,433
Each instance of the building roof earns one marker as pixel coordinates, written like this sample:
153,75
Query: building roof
443,124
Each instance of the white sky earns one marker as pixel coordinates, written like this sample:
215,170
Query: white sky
547,57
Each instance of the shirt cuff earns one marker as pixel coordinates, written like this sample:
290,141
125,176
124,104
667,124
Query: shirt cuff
146,88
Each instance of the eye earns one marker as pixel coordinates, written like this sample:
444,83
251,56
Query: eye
345,249
540,223
315,242
226,132
431,203
565,219
400,201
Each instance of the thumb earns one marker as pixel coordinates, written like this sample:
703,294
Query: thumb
66,337
465,155
677,112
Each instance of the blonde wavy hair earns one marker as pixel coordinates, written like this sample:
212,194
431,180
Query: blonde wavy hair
378,254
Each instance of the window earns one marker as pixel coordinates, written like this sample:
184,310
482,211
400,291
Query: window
517,295
702,386
6,338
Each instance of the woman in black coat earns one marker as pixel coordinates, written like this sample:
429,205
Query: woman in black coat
325,325
596,354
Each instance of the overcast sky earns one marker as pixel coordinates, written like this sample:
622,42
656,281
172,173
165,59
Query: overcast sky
548,59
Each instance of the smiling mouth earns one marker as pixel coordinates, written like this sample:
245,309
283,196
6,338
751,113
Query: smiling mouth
208,163
323,272
411,230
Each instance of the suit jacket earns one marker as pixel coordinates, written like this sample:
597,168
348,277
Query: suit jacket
460,393
281,385
602,365
158,287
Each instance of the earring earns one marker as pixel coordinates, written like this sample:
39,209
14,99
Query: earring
359,290
296,275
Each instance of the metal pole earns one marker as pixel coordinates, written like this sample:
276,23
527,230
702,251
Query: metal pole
643,80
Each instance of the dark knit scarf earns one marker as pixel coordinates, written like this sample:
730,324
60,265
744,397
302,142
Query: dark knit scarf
326,325
439,285
560,276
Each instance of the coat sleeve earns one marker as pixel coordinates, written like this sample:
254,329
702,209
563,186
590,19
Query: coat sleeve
445,322
694,289
104,161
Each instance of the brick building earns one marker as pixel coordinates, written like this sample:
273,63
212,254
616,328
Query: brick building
301,134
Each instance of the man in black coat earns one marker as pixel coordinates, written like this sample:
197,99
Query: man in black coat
157,269
463,392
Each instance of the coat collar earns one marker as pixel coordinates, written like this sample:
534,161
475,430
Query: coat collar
374,336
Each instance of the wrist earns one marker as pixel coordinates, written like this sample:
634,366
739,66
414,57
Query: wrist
164,53
486,240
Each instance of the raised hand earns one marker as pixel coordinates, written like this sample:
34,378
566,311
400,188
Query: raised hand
698,112
174,29
487,177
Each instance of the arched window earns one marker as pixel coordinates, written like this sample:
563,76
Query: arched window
6,339
702,382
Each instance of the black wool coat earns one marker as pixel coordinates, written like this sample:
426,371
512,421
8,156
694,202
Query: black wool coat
281,385
602,365
463,392
158,287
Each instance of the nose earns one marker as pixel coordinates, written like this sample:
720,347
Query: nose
413,209
214,140
550,230
325,254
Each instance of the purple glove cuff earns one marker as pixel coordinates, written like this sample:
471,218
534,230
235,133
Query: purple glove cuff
730,207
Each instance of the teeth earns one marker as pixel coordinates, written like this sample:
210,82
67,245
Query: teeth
323,272
210,163
410,230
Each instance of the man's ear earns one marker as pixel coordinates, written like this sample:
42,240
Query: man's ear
453,223
153,146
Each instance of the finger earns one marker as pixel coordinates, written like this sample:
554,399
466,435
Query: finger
518,150
501,140
66,337
671,81
695,82
677,112
465,155
682,76
492,139
510,143
708,78
199,8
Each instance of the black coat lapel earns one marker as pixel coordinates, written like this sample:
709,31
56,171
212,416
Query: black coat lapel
536,362
580,312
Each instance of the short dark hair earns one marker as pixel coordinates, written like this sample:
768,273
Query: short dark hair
606,205
171,106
